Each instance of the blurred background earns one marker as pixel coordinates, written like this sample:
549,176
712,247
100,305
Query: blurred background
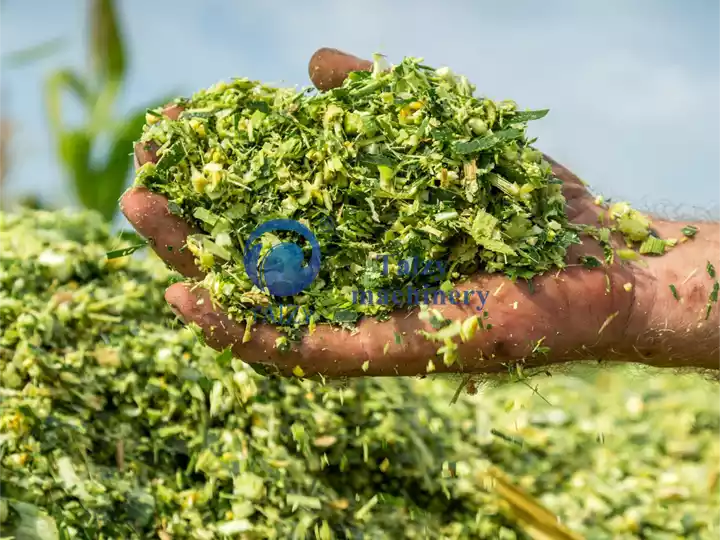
633,90
633,87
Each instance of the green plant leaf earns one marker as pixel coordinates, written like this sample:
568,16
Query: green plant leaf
78,87
124,252
34,524
476,145
74,148
526,116
113,176
74,145
59,81
106,45
34,53
101,113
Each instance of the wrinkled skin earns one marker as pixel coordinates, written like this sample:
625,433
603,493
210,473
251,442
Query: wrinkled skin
570,311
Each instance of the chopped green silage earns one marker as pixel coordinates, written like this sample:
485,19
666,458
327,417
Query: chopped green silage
405,163
115,423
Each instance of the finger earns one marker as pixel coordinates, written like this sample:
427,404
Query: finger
173,110
329,351
194,305
148,213
580,205
146,152
566,175
328,68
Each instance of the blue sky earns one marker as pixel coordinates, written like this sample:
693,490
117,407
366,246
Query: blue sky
633,86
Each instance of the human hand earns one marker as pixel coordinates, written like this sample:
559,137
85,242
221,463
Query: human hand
575,313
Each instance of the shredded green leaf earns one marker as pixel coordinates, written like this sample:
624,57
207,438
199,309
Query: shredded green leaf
653,246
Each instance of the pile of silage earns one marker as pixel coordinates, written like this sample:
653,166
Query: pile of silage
115,423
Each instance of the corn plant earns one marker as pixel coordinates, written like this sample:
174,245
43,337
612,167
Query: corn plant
97,182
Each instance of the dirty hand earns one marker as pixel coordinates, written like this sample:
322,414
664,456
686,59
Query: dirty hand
578,313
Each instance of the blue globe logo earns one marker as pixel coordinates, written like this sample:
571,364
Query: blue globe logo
282,270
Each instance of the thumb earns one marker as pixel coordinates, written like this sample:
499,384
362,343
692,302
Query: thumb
328,68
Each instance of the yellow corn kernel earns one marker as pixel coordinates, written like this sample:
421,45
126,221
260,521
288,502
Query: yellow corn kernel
197,126
151,119
198,180
214,173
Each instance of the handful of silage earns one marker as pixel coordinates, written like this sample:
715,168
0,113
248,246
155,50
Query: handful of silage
402,163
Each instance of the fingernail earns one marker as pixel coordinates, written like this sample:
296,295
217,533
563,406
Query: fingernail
329,67
173,110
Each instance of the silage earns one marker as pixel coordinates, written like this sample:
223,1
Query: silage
115,423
